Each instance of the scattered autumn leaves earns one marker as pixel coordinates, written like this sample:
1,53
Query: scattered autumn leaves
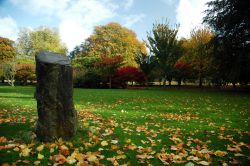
117,141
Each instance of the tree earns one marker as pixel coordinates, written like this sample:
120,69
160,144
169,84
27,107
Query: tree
25,72
146,63
128,74
109,65
164,45
7,51
9,71
112,40
85,72
41,39
7,56
230,21
181,71
199,53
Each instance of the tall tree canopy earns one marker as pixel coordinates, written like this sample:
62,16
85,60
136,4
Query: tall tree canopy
230,20
7,57
164,45
111,40
7,51
198,52
41,39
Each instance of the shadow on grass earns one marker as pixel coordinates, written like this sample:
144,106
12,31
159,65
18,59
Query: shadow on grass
19,131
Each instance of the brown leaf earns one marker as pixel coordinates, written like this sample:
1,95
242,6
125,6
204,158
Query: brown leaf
59,158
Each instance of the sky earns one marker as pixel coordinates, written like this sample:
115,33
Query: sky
75,19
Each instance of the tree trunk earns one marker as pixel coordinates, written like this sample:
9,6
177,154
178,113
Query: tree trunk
54,94
179,82
169,82
200,80
164,82
234,84
110,82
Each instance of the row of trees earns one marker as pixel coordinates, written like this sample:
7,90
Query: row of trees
17,59
112,46
113,56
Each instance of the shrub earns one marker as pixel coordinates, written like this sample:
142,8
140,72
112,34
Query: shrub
128,74
25,73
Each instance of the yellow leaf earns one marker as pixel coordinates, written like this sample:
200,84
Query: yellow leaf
71,160
51,150
121,157
220,153
92,158
25,152
40,156
128,141
40,148
104,143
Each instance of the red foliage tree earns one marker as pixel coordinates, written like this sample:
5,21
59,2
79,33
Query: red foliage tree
109,65
128,74
181,69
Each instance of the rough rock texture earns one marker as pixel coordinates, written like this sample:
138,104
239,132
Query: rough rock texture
54,94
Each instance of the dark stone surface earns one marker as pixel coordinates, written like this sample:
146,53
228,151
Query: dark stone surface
54,94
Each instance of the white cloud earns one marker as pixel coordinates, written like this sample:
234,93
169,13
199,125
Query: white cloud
76,18
189,15
8,28
77,21
132,19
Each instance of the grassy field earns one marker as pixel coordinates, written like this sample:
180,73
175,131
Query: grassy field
132,127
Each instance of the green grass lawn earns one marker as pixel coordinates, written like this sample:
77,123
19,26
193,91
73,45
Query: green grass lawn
132,127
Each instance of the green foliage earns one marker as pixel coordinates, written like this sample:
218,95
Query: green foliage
164,45
111,40
85,73
230,21
9,71
41,39
146,63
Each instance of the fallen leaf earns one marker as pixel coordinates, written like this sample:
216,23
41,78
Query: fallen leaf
59,158
70,160
220,153
25,152
104,143
121,157
203,163
114,141
40,148
40,156
36,162
92,158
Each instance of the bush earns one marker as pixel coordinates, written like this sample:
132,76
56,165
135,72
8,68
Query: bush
25,73
89,78
128,74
